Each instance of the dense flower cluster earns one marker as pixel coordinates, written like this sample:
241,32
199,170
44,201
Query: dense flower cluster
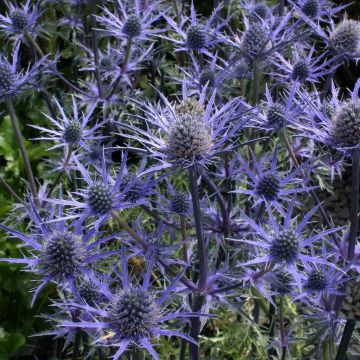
176,174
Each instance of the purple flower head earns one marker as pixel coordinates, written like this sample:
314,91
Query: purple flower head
192,131
21,21
277,114
285,245
72,130
268,184
260,39
342,40
302,67
103,194
317,10
133,315
336,122
60,253
256,10
195,35
13,82
134,22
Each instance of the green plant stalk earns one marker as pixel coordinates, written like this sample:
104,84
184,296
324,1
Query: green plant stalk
202,256
123,68
23,151
76,348
345,340
354,213
11,191
282,328
60,174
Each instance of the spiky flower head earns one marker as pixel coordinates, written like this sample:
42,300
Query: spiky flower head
255,40
345,38
72,132
285,247
189,136
282,282
260,11
180,203
207,76
196,37
8,79
135,188
19,19
275,116
317,280
133,313
87,291
132,26
100,197
268,186
62,254
345,129
300,70
106,63
311,8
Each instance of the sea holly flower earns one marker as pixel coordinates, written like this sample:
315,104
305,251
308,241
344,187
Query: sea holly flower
193,131
342,40
132,315
194,35
256,10
285,245
72,130
21,21
59,253
277,114
260,39
267,184
303,68
132,22
336,122
14,82
319,10
103,194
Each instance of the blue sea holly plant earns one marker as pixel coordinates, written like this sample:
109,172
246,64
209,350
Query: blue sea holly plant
179,179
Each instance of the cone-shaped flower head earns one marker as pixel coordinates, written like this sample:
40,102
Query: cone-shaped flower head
133,313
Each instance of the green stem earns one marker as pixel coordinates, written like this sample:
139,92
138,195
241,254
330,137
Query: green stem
20,142
123,68
76,348
201,249
345,340
60,174
282,328
11,191
354,214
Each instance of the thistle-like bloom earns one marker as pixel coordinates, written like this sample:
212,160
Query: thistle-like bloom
260,39
285,245
342,40
190,132
303,68
59,253
256,10
336,123
103,194
194,35
132,316
277,114
132,22
72,130
21,20
13,82
319,10
266,184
